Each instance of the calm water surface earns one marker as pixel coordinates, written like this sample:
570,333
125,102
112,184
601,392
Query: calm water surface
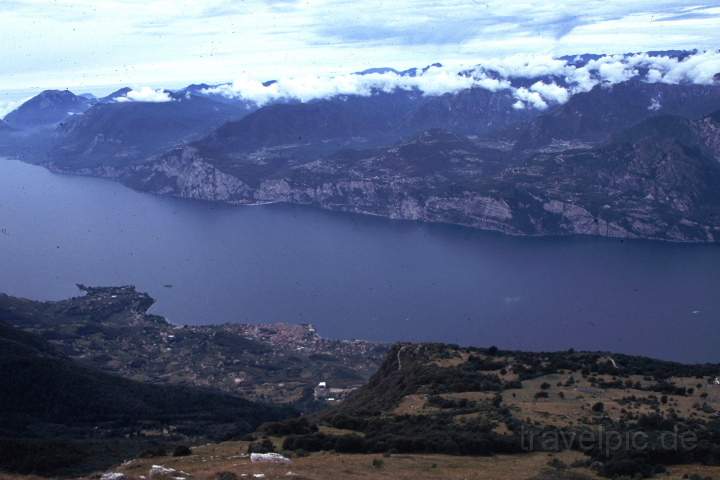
355,276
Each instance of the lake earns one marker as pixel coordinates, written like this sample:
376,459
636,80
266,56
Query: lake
355,276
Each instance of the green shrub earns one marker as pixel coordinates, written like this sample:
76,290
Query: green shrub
181,451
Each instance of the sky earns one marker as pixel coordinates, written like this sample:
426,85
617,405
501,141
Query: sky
93,45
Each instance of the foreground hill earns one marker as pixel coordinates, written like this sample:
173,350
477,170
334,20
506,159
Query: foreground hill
437,411
431,398
228,460
57,414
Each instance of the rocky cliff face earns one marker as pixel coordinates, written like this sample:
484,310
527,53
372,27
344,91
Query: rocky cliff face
183,173
657,181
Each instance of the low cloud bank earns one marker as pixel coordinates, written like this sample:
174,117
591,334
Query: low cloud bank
7,106
145,94
556,80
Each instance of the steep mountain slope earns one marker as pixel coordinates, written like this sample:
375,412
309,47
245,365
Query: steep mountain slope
657,180
118,134
323,125
47,108
595,115
311,124
305,130
473,111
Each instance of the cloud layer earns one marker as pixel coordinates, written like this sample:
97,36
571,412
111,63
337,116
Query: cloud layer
146,94
554,80
82,43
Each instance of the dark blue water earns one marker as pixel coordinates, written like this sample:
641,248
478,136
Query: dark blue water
355,276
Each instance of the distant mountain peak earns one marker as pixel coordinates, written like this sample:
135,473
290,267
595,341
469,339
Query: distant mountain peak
47,108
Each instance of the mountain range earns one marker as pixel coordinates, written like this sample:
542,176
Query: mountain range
628,158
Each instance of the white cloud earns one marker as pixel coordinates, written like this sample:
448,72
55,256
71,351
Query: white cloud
146,94
434,81
556,79
700,68
525,66
551,91
528,97
78,43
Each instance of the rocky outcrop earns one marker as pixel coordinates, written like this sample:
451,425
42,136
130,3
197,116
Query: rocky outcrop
186,174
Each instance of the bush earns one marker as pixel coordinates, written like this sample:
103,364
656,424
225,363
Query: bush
292,426
599,407
378,463
346,422
181,451
263,446
350,444
630,467
153,452
226,476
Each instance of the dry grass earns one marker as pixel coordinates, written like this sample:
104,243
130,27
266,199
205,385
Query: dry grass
470,396
338,431
414,405
576,406
452,362
209,460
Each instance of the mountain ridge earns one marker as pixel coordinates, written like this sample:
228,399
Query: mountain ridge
47,108
603,190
